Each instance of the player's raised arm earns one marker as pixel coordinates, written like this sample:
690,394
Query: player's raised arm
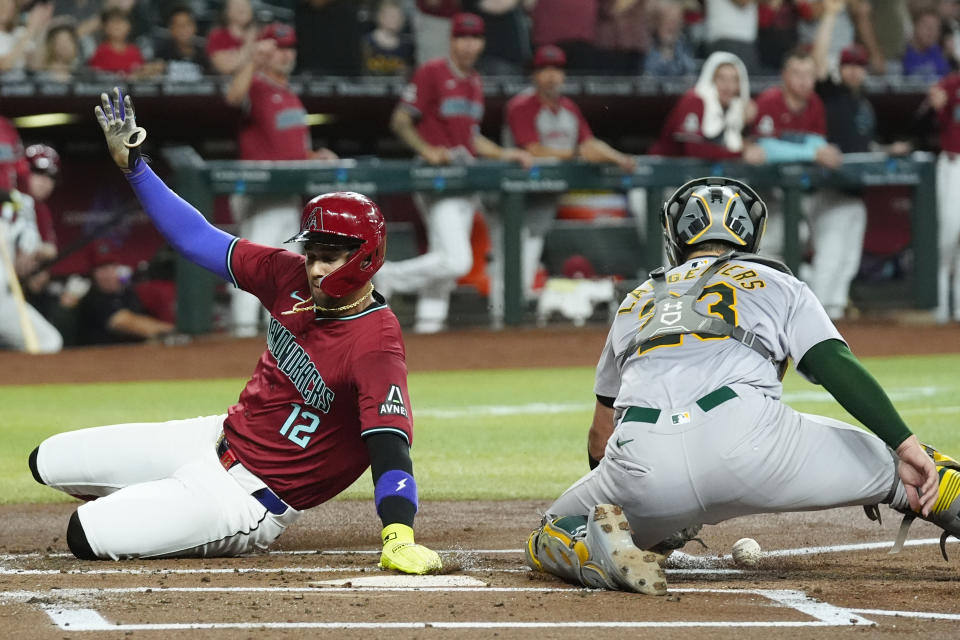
185,228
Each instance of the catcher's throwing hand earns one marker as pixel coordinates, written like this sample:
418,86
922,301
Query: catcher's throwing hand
919,475
116,118
400,552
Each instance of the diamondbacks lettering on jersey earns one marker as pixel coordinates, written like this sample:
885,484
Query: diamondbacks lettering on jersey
295,363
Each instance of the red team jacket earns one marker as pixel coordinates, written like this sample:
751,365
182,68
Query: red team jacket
531,121
776,120
320,385
275,123
449,105
682,134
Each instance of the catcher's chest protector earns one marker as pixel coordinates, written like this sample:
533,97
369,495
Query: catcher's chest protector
673,314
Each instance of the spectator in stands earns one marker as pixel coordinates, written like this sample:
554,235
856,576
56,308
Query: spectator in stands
853,24
923,56
274,128
116,54
86,16
623,36
670,53
20,42
572,26
891,24
438,117
61,57
329,36
144,19
230,46
544,122
386,51
507,50
708,120
431,27
731,25
950,31
776,33
111,311
183,52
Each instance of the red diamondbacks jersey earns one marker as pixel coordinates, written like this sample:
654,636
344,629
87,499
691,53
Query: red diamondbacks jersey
275,126
320,384
949,116
533,121
776,120
448,103
682,134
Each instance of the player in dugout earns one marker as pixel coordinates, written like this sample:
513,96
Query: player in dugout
327,399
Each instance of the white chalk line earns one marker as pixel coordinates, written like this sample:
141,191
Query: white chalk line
301,570
901,394
823,614
704,565
908,614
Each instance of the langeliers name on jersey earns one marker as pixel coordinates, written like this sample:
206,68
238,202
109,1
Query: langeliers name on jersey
295,363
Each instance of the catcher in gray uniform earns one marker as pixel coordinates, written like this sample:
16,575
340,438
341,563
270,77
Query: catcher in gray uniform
689,428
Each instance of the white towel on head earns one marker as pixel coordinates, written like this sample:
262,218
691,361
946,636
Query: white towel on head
716,120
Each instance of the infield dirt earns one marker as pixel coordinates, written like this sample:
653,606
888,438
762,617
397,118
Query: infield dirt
478,540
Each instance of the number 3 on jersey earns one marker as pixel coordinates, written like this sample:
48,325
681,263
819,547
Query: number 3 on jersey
297,432
724,307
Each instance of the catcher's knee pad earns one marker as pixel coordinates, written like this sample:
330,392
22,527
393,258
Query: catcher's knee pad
553,547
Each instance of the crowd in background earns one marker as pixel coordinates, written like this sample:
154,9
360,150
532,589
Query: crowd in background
58,40
823,51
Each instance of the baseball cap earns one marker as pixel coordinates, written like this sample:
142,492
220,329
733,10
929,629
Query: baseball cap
283,34
466,24
549,56
103,252
854,54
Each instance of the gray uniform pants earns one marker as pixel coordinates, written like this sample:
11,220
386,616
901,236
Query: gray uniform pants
751,454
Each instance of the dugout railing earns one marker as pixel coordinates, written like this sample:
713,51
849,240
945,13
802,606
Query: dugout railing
198,181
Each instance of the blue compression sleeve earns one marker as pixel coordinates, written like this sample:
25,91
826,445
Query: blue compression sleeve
783,151
182,225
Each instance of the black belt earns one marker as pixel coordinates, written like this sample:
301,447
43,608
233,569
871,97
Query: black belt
264,496
707,402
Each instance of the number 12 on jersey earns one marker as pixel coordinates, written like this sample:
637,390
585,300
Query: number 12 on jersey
298,432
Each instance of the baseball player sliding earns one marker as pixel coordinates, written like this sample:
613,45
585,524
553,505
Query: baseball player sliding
689,427
327,399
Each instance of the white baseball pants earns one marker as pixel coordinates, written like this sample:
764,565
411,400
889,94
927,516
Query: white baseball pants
433,275
160,490
948,216
752,454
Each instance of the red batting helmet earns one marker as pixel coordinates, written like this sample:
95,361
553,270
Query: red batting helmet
43,159
346,219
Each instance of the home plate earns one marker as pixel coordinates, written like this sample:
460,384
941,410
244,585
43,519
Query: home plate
393,581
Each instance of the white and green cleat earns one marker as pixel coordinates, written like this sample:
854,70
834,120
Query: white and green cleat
597,552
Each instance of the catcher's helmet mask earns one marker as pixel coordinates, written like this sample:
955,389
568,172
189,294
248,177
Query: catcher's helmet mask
715,209
345,220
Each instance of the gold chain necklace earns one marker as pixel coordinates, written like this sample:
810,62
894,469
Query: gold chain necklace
297,307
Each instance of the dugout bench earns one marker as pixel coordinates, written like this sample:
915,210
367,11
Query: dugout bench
198,181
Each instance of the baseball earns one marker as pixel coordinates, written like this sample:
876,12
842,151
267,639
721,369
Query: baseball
746,552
